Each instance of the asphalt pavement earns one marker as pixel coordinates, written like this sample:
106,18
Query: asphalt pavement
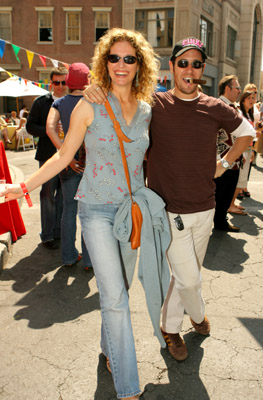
50,319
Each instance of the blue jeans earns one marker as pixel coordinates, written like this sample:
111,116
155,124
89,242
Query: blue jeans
69,182
105,251
50,208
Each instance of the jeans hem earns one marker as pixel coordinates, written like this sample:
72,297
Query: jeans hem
45,239
124,396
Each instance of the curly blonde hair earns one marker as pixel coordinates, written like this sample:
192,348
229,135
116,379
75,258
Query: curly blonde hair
147,61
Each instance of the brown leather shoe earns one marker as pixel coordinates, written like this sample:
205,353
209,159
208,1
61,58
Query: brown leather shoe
232,228
203,328
176,346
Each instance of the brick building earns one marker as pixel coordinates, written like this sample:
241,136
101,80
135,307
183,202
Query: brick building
230,29
61,30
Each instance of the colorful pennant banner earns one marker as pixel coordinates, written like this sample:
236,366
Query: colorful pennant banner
40,84
16,51
2,47
55,63
30,55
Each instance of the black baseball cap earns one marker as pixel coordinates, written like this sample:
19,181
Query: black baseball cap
187,44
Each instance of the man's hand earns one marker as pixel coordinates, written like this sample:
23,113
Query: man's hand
75,166
95,94
219,169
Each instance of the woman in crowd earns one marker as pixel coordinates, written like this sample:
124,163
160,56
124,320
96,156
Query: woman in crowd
21,128
247,109
4,132
124,65
13,120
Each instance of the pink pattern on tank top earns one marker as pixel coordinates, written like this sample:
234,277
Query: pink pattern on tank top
94,171
136,170
113,170
103,113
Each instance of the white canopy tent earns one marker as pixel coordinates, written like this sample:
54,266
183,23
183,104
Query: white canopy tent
14,87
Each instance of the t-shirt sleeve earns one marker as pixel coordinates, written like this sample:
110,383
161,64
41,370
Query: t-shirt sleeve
55,104
230,118
244,129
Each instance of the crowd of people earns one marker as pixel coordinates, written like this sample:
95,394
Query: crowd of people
188,189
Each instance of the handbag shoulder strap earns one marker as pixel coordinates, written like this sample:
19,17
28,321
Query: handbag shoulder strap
122,138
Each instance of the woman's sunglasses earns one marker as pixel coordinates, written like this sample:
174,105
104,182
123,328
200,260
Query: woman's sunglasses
113,58
196,64
57,83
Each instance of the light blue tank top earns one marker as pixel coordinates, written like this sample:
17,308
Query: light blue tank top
104,180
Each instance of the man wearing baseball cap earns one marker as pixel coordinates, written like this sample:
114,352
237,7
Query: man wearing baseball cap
181,167
76,80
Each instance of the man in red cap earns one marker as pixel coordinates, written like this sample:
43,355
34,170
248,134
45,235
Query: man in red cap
76,80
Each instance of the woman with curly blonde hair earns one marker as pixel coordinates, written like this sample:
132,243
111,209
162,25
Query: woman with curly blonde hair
125,66
145,80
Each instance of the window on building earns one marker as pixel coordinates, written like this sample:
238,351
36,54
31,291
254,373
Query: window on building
73,24
45,26
101,24
73,27
156,26
44,77
102,20
5,24
206,35
231,40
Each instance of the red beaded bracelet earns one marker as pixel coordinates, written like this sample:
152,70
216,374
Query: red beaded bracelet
25,191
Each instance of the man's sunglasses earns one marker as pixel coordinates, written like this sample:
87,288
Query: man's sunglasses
57,83
113,58
196,64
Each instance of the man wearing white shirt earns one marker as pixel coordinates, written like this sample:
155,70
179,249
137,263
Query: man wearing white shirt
229,91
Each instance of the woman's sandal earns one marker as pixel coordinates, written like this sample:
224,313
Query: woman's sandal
71,265
240,196
246,193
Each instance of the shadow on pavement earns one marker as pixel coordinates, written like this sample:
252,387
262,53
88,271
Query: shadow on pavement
184,378
248,223
255,327
50,298
105,387
260,169
225,253
28,271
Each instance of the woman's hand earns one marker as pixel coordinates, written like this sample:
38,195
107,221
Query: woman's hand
95,94
12,192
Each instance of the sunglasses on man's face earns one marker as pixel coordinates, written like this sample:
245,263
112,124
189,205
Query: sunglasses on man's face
196,64
57,83
113,58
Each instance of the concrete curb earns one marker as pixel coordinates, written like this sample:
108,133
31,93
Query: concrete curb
6,238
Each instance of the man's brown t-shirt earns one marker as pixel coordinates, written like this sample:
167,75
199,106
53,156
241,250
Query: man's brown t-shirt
182,157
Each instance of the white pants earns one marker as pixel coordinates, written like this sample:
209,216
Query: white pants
186,255
243,172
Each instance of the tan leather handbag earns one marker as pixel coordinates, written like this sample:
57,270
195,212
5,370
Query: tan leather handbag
136,214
